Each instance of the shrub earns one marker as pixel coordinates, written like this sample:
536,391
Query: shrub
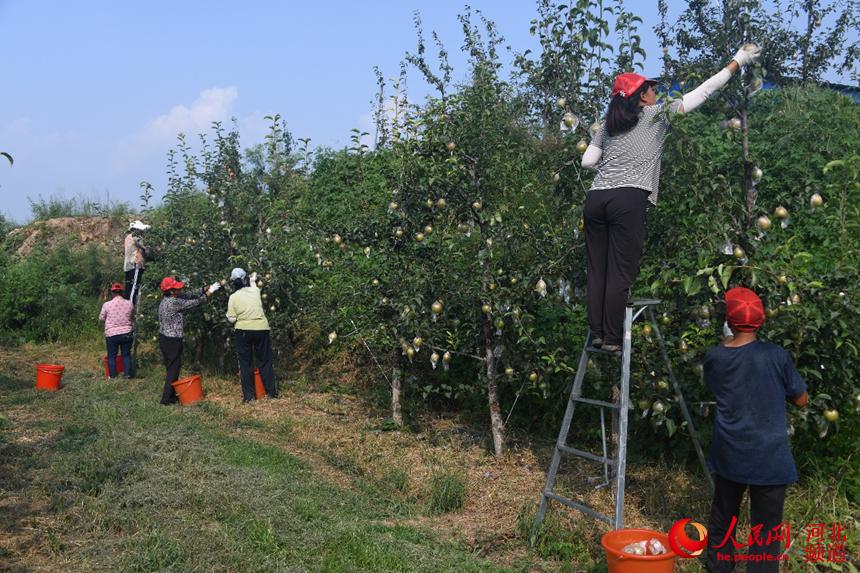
52,295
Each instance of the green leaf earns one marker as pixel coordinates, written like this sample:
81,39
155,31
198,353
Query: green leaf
726,275
670,426
712,283
837,163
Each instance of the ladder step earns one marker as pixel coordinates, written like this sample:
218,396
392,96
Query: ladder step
600,403
587,455
644,302
595,350
583,508
619,354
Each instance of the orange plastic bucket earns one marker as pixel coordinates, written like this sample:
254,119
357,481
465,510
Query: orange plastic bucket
614,543
259,389
119,367
188,389
49,377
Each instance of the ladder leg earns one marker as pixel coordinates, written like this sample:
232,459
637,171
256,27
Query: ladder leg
603,441
562,439
624,402
684,411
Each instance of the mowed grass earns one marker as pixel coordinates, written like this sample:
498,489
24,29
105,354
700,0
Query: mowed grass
99,476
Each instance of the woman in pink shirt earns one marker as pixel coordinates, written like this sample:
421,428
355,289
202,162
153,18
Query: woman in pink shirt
117,315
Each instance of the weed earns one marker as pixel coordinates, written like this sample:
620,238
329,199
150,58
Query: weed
447,493
397,480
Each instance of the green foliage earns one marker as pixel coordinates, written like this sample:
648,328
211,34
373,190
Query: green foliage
6,225
473,200
557,540
51,295
447,493
803,269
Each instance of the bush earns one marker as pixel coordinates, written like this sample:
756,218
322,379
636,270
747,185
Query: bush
52,295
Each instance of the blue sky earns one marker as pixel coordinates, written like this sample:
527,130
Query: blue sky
94,92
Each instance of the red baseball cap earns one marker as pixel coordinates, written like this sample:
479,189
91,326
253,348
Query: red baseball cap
116,287
170,283
626,84
744,310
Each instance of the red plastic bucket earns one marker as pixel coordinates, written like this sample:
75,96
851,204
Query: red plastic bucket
119,367
188,389
259,389
49,377
619,562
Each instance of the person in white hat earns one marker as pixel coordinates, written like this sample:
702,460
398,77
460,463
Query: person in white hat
252,340
134,260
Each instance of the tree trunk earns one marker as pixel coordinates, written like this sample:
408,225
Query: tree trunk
497,426
396,384
198,352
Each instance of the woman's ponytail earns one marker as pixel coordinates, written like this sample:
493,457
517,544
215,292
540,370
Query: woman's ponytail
623,112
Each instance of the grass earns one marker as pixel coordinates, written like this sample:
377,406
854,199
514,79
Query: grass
126,484
99,476
447,493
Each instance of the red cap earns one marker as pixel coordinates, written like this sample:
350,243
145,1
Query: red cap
170,283
744,310
116,287
627,84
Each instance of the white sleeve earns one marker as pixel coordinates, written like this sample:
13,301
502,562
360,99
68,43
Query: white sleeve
700,95
591,157
594,151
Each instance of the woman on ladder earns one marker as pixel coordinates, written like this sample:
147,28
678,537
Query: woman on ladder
625,152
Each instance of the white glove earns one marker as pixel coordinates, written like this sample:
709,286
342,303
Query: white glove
231,319
253,279
748,54
213,287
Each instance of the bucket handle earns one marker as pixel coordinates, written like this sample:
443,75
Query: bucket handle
186,386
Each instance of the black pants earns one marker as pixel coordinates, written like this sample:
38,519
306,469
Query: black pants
122,342
765,508
255,346
614,234
171,350
132,284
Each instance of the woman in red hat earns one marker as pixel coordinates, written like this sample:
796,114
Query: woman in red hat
117,314
625,152
751,380
170,324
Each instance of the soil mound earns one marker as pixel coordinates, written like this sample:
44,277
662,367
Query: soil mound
104,232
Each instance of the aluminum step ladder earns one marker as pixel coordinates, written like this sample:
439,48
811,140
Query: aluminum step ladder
634,309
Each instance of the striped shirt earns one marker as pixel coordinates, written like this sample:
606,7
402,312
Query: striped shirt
632,159
170,319
117,315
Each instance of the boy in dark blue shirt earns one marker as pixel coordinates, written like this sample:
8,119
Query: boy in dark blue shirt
751,380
